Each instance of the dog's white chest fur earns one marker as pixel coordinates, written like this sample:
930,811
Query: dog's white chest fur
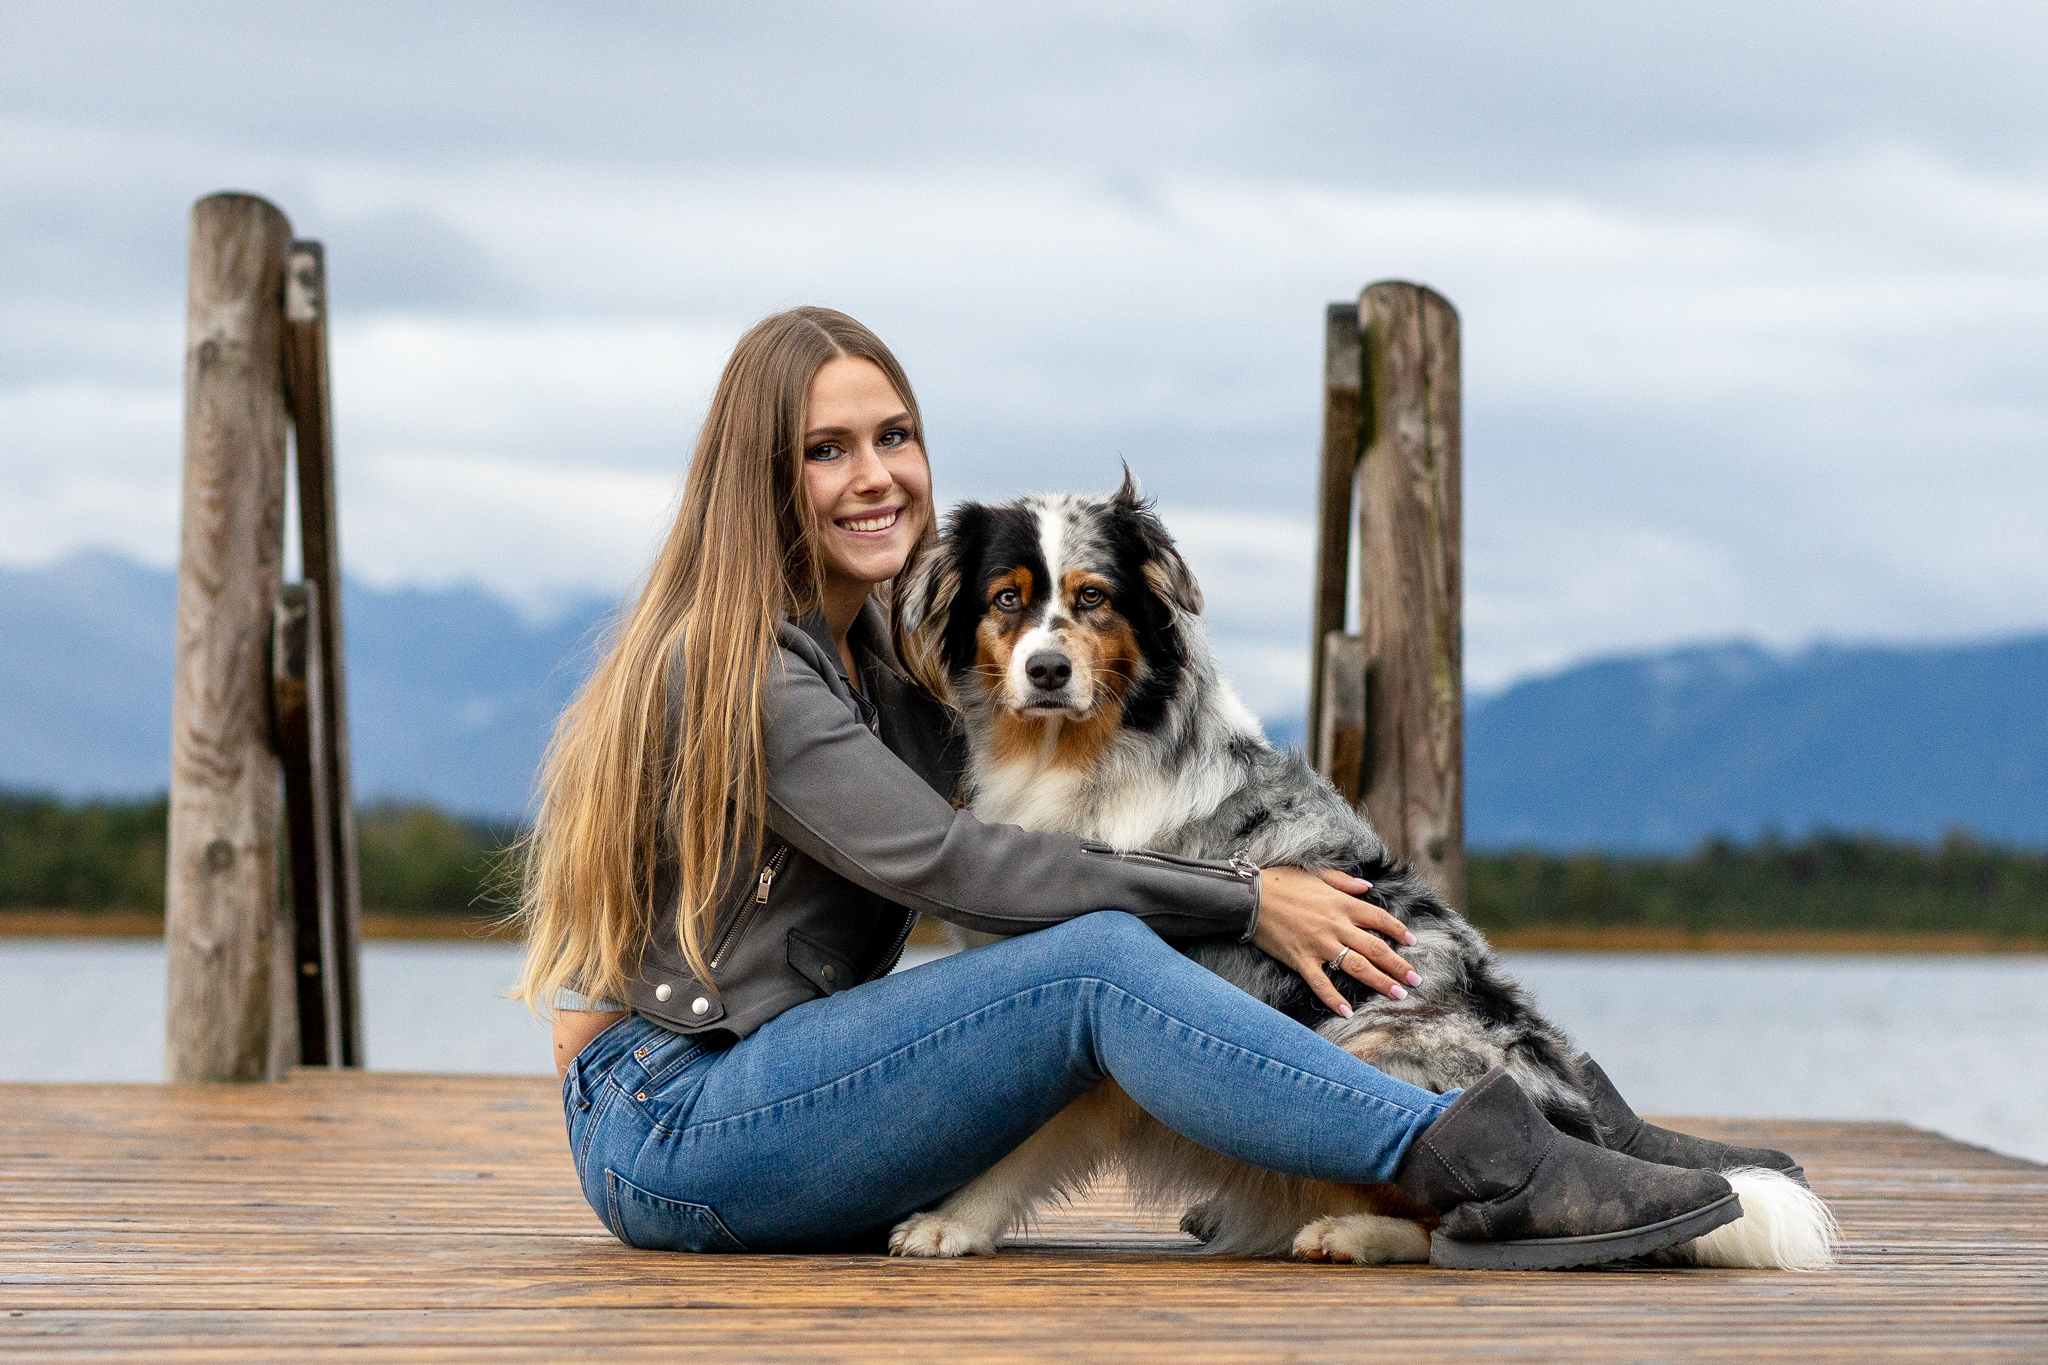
1126,815
1126,799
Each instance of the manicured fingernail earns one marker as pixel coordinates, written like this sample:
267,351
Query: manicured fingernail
1414,979
1343,1009
1368,885
1408,940
1398,993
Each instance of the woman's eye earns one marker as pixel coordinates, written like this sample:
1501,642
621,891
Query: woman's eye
891,439
828,450
1009,599
1088,597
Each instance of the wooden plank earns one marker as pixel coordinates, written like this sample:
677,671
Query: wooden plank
307,382
221,898
1342,374
437,1216
296,682
1410,614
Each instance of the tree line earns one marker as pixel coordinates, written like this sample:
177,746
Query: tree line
417,860
413,859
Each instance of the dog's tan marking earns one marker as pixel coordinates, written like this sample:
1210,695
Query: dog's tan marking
1019,578
1074,580
995,640
1182,591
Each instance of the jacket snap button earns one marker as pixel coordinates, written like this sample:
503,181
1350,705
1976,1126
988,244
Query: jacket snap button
699,1005
831,973
641,1055
663,991
641,1096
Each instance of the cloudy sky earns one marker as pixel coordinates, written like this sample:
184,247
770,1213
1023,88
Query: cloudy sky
1755,296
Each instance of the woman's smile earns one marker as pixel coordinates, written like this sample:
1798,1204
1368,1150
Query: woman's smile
871,523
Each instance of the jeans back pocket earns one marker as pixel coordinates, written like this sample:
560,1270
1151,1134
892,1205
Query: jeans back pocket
647,1220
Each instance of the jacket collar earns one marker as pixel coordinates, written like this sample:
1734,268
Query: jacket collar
869,636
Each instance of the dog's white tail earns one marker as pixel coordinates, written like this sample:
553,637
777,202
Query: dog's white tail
1784,1226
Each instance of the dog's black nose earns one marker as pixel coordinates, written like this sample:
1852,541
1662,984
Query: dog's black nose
1048,669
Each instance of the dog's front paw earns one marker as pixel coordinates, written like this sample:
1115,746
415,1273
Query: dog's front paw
930,1234
1362,1239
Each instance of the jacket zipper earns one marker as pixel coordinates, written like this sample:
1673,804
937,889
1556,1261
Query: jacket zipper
1236,870
763,885
888,961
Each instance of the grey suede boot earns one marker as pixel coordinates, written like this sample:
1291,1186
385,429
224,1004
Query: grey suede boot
1516,1194
1626,1132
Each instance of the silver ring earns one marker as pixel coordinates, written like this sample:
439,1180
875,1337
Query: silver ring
1336,964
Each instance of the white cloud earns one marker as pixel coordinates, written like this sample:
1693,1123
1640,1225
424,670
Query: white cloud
563,393
546,533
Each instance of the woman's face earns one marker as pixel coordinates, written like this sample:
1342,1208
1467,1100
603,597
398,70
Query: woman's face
864,465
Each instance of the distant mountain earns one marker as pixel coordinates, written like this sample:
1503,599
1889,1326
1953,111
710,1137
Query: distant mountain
452,694
1659,751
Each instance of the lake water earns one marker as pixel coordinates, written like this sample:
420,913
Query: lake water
1957,1044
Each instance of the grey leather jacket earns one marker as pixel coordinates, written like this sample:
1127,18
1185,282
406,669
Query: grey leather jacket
862,836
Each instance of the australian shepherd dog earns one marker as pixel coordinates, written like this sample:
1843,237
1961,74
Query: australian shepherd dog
1070,634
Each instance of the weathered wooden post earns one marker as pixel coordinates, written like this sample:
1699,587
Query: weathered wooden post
221,907
1343,373
330,945
298,692
258,982
1387,706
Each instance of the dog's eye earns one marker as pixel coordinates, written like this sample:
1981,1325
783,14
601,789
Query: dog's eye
1009,599
1089,597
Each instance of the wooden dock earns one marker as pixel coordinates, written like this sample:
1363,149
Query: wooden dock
419,1217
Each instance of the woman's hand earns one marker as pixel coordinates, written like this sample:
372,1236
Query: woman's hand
1307,918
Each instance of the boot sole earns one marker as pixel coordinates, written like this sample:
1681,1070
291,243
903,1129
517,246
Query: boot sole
1558,1253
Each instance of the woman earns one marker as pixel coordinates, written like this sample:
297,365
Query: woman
748,805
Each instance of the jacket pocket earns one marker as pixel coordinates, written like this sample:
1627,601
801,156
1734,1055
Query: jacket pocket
823,967
649,1221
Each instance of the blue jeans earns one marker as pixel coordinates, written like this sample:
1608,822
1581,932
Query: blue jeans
841,1116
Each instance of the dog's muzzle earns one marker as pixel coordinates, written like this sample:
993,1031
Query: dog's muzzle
1047,674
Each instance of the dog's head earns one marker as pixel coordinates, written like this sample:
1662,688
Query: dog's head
1060,606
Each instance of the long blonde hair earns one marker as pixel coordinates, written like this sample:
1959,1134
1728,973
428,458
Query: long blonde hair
633,776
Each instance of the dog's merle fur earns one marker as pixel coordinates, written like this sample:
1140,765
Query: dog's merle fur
1181,767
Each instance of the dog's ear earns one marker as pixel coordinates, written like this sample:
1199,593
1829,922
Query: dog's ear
924,601
1165,571
1128,496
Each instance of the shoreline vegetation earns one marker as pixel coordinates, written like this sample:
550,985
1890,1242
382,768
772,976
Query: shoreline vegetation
96,869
